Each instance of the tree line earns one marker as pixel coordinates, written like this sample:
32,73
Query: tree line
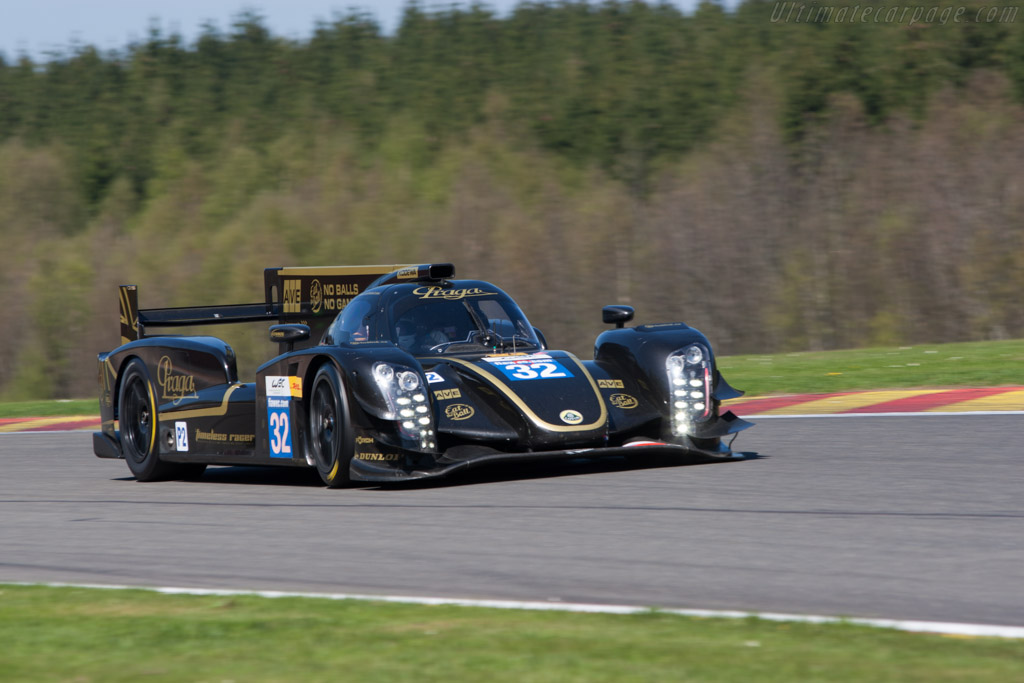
779,184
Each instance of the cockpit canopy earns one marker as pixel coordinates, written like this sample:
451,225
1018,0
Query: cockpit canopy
464,316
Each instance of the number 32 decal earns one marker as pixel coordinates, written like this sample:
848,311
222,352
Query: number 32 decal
541,370
280,439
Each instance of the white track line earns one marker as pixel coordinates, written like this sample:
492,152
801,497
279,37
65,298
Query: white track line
965,413
945,628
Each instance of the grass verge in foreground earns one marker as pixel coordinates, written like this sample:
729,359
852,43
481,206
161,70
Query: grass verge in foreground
980,364
93,635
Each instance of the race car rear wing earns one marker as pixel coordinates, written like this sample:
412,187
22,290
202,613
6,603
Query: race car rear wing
311,296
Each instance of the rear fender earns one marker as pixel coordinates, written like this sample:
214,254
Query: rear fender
181,367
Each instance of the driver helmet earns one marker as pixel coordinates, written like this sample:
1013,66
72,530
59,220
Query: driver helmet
407,332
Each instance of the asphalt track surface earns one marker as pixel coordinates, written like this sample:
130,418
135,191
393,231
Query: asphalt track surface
875,517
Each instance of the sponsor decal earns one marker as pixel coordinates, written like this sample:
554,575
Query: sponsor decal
570,417
278,386
434,377
316,296
529,367
292,296
610,384
363,440
338,296
218,437
386,457
459,411
434,292
408,273
447,394
295,387
174,386
624,401
279,433
181,437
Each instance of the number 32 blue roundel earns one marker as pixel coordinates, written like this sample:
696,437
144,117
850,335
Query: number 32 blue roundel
535,366
279,417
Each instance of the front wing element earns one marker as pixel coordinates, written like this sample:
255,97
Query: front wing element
445,465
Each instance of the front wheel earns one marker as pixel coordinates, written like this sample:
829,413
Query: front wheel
330,437
140,428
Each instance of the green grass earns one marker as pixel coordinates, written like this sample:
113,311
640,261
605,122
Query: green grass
100,635
89,406
981,364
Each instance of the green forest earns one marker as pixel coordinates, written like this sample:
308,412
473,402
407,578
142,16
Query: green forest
782,184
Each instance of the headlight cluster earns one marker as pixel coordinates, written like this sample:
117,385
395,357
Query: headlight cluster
407,402
689,384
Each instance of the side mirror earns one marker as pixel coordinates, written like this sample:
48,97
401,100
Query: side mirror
289,334
616,315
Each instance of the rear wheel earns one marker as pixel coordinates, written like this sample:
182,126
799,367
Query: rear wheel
140,427
330,438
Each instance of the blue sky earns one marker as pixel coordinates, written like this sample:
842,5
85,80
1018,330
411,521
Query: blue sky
35,27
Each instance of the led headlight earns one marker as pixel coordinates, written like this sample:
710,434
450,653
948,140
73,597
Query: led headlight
689,384
383,373
407,402
408,381
694,355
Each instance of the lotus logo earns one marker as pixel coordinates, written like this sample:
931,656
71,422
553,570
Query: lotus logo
459,411
570,417
623,401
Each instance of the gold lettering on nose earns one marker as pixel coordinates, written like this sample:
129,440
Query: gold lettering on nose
448,294
459,411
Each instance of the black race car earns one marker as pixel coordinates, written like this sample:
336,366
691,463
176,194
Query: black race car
396,373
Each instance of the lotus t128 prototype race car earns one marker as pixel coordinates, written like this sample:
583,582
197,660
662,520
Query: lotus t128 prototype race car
394,373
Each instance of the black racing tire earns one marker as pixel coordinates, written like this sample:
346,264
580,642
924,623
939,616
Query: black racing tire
139,424
330,440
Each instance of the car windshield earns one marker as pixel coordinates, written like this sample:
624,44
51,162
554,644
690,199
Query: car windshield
425,324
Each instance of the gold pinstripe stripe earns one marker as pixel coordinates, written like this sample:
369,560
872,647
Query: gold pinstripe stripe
521,404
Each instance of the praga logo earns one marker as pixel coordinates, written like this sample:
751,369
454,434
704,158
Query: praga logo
174,386
449,294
